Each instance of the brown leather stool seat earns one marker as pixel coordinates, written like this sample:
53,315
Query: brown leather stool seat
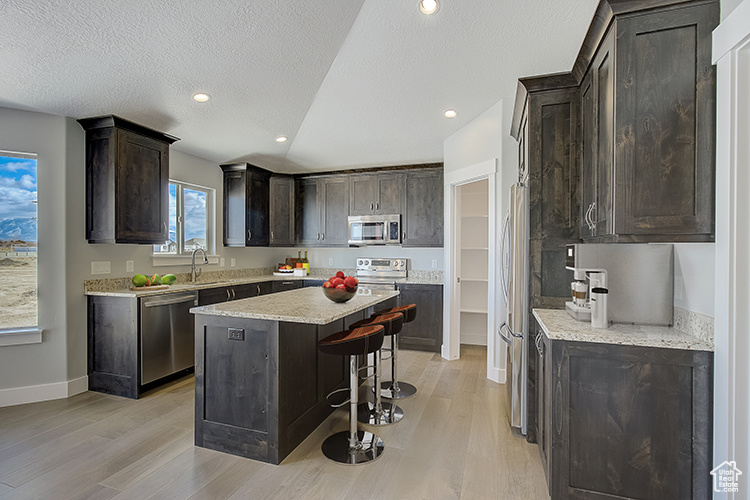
355,341
409,311
352,446
395,389
379,413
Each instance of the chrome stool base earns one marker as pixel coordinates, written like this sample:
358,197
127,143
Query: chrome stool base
369,447
389,414
405,390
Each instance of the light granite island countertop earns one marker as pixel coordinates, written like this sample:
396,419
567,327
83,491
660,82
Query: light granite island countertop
557,324
303,305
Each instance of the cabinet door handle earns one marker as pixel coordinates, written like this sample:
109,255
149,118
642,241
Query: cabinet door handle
234,294
403,235
371,206
271,234
258,289
377,206
318,236
249,235
586,217
164,225
229,297
322,236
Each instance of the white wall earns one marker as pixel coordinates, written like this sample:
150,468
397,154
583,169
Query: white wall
45,135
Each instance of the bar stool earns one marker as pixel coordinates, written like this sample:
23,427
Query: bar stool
395,389
379,413
352,446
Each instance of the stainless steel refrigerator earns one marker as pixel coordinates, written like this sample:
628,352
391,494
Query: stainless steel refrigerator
514,331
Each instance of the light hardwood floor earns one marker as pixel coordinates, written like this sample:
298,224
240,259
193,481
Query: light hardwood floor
454,442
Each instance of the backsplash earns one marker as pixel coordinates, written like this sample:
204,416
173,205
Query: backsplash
696,324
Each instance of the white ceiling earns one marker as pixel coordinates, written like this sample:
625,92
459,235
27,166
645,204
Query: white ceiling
353,83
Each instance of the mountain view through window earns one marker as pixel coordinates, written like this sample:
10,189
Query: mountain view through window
18,241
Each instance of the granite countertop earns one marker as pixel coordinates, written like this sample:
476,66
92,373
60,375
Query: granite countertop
303,305
559,325
119,287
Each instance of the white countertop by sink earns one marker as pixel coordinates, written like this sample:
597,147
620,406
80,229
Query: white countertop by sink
303,305
559,325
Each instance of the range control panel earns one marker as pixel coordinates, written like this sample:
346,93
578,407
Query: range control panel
370,264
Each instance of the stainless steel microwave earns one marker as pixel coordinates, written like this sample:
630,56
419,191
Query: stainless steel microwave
374,230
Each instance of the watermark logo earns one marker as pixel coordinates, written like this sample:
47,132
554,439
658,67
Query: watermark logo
726,477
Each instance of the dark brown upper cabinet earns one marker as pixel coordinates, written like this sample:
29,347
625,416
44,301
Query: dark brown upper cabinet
246,205
376,194
422,216
127,181
281,230
545,124
648,91
322,210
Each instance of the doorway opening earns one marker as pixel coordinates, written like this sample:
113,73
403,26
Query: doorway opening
470,255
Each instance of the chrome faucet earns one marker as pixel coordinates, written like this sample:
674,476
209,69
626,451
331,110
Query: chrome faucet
193,273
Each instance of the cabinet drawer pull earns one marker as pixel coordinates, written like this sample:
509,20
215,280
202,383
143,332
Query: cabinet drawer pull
229,297
234,294
258,286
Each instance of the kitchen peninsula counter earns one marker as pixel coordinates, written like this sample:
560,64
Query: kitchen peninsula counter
260,380
557,324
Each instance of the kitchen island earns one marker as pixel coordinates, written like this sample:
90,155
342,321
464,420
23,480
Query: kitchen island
260,381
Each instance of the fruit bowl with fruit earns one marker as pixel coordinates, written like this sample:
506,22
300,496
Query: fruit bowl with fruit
340,288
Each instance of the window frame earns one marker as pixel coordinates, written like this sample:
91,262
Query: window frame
177,258
27,334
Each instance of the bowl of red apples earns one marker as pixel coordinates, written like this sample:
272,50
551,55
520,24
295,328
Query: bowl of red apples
340,288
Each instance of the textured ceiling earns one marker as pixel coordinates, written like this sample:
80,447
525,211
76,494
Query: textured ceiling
352,82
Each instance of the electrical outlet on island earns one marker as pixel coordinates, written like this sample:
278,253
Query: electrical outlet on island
330,262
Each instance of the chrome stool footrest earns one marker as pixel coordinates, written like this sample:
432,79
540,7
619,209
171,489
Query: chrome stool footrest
328,396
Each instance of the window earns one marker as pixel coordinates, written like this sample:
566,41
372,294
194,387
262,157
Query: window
190,220
18,242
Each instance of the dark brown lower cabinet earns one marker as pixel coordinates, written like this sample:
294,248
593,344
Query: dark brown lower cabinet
620,421
425,333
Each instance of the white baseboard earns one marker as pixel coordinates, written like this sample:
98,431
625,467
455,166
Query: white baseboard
474,338
496,374
44,392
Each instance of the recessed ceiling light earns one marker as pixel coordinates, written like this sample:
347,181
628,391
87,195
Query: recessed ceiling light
281,138
428,6
201,97
449,113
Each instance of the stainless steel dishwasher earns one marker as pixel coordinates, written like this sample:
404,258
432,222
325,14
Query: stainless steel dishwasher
167,335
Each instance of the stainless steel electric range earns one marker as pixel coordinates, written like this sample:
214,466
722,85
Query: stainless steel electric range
379,273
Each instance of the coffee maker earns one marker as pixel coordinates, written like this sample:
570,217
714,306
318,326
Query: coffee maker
639,278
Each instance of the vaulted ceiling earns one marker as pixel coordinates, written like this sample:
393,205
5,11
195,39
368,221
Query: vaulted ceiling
352,83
